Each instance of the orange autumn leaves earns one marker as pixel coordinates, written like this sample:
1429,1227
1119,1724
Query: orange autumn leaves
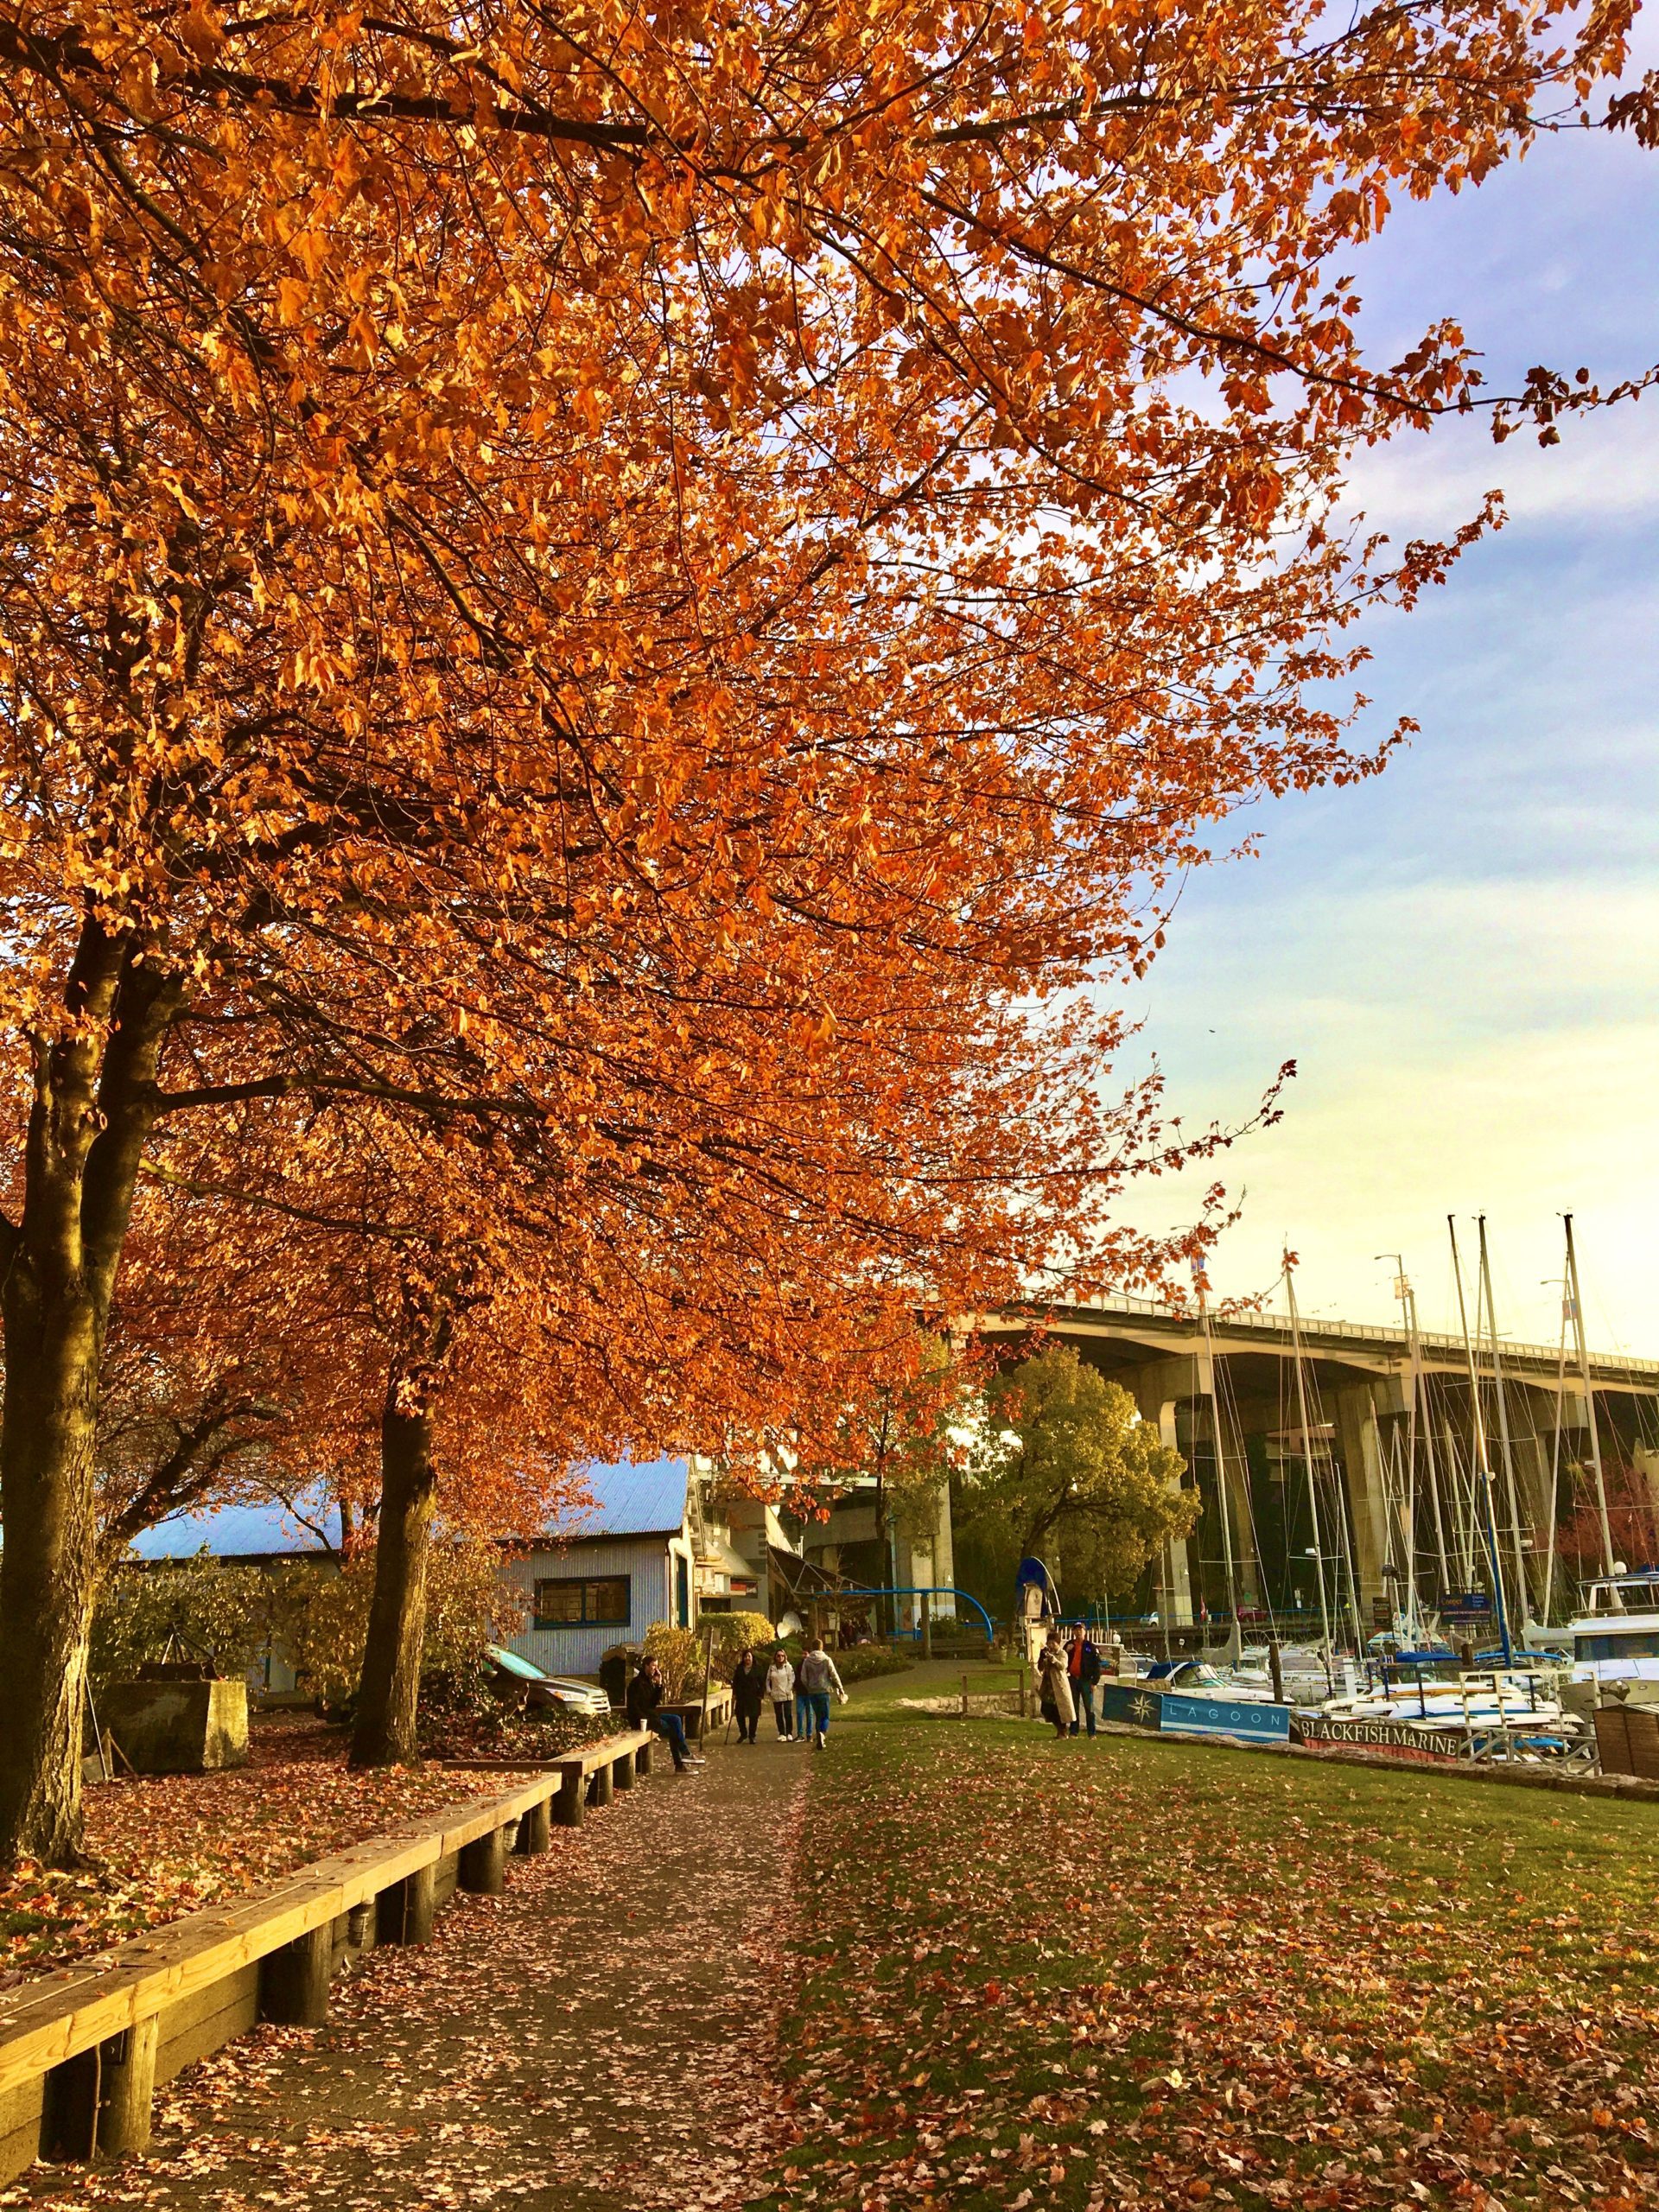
603,617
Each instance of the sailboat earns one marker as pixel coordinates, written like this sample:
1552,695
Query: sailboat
1616,1634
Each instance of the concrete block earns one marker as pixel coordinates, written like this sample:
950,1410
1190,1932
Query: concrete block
178,1728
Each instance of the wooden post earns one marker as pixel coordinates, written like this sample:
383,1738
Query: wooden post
535,1830
128,2069
1276,1670
294,1981
483,1868
622,1771
572,1797
404,1912
964,1697
602,1785
642,1757
707,1667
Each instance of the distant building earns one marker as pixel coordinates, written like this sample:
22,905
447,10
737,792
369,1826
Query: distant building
605,1574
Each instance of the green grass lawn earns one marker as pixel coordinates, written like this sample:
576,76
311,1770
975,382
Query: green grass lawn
1035,1973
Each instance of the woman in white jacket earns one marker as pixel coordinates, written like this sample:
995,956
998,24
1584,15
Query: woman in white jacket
780,1688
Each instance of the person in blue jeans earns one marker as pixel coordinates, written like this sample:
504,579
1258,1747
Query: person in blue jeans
645,1697
814,1683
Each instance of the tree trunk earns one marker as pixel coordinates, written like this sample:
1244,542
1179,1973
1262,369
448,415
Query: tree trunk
94,1101
389,1692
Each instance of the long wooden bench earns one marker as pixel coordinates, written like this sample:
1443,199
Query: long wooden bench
82,2047
690,1710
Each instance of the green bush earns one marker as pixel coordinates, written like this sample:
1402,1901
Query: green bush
209,1611
679,1651
321,1620
865,1661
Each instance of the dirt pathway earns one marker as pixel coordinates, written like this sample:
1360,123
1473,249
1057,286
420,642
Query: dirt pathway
593,2041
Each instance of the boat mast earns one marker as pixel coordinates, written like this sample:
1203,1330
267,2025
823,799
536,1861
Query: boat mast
1420,1382
1555,1455
1483,1470
1307,1454
1503,1445
1609,1566
1408,1488
1235,1638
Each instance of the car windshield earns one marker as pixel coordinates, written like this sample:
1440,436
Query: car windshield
511,1663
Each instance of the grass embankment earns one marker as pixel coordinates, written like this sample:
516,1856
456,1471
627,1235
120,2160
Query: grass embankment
1034,1973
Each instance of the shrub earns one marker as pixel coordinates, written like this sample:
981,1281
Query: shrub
216,1613
321,1620
678,1651
736,1633
865,1661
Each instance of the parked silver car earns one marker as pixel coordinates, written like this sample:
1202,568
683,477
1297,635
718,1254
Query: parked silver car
524,1683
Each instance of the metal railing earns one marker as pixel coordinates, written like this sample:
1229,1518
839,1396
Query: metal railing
1604,1366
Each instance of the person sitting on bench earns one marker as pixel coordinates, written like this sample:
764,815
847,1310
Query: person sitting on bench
645,1697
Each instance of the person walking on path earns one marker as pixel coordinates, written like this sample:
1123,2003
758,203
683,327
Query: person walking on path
817,1678
645,1699
1082,1674
780,1688
1054,1685
748,1695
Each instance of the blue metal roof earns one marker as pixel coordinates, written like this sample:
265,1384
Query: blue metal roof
631,1499
241,1532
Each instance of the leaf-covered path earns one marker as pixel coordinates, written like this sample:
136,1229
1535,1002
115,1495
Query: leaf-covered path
595,2040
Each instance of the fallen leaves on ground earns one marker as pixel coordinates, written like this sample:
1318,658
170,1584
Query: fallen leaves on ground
166,1845
599,2039
1041,1975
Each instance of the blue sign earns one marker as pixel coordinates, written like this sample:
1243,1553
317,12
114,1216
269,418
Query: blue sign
1121,1701
1170,1714
1223,1716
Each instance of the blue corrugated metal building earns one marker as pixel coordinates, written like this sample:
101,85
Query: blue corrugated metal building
603,1575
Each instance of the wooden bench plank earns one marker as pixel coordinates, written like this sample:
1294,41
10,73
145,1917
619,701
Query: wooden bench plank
58,2015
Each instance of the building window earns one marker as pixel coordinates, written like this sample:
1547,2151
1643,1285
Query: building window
575,1601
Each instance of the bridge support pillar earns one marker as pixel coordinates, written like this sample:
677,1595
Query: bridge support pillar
1374,1530
1158,1389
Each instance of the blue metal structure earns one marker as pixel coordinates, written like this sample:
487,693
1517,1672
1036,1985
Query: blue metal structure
919,1590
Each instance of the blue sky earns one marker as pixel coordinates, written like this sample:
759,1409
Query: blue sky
1463,955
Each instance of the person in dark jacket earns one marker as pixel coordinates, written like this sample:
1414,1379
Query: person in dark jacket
645,1701
748,1695
1082,1666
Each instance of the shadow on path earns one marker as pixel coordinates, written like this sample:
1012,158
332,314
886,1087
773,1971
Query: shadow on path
595,2040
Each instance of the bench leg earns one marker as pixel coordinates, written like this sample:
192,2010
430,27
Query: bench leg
294,1981
572,1800
603,1786
536,1830
405,1911
642,1759
483,1867
128,2061
622,1772
69,2115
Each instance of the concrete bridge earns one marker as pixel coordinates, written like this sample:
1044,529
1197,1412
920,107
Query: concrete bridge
1357,1380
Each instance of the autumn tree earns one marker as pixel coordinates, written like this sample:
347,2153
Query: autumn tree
1068,1471
689,555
